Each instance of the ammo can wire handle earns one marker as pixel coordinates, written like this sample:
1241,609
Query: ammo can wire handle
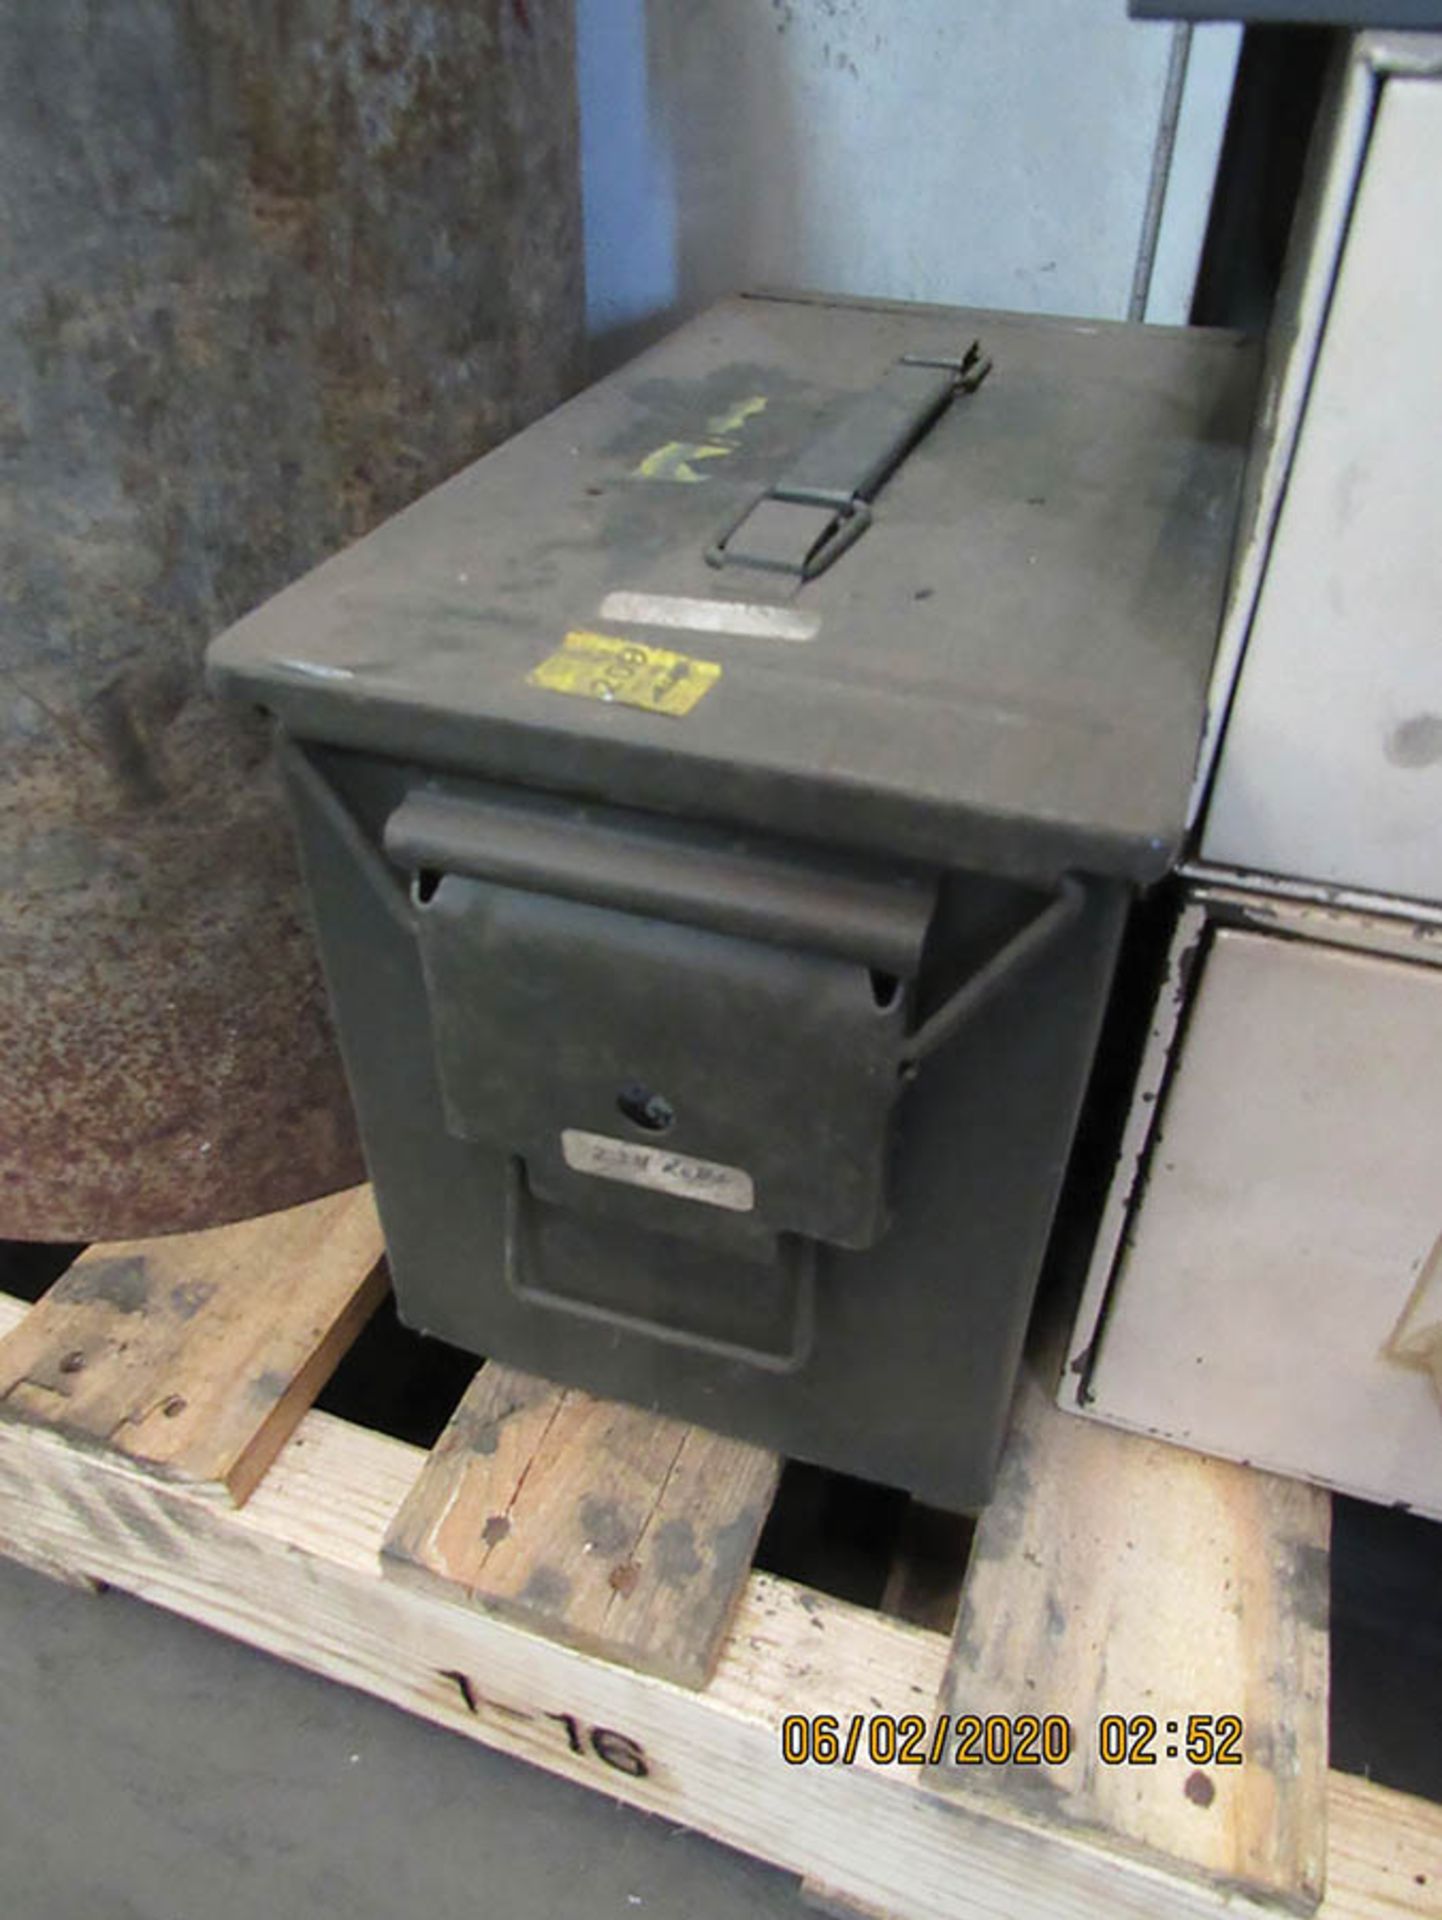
821,505
1019,952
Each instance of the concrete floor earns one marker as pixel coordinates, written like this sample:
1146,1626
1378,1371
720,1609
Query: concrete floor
151,1770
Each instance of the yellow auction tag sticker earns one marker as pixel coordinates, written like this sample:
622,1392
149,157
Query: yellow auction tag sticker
602,666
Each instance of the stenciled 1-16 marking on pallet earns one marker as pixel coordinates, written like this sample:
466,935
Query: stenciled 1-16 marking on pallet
569,1581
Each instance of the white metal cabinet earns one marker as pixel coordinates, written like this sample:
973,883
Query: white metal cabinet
1290,1199
1273,1232
1331,766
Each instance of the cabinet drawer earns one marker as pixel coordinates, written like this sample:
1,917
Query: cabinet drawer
1331,767
1290,1204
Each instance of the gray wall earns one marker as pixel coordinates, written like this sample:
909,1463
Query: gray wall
989,152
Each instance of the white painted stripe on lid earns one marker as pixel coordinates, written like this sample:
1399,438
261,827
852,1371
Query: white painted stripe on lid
746,619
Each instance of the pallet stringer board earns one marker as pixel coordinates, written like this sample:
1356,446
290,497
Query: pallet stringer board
1383,1854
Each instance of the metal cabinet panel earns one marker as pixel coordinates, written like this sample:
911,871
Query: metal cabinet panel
1331,768
1291,1204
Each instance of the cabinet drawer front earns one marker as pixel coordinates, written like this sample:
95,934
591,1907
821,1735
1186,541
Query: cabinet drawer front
1331,769
1292,1201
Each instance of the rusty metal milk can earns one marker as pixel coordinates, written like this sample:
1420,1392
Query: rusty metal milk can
270,270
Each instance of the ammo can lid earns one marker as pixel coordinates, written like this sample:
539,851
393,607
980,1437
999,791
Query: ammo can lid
1005,668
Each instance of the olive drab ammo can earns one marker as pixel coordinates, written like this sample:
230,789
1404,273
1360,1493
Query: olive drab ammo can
720,807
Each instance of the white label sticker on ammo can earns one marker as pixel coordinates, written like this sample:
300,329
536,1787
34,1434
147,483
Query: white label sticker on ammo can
658,1169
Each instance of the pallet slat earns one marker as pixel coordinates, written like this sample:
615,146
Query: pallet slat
1116,1575
1384,1854
196,1354
608,1528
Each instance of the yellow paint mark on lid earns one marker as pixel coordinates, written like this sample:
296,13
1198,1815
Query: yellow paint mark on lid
735,418
602,666
675,461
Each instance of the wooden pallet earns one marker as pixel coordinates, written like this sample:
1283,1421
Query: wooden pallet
571,1582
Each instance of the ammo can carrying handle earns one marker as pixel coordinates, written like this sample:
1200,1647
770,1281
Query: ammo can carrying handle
821,505
848,909
969,999
741,895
